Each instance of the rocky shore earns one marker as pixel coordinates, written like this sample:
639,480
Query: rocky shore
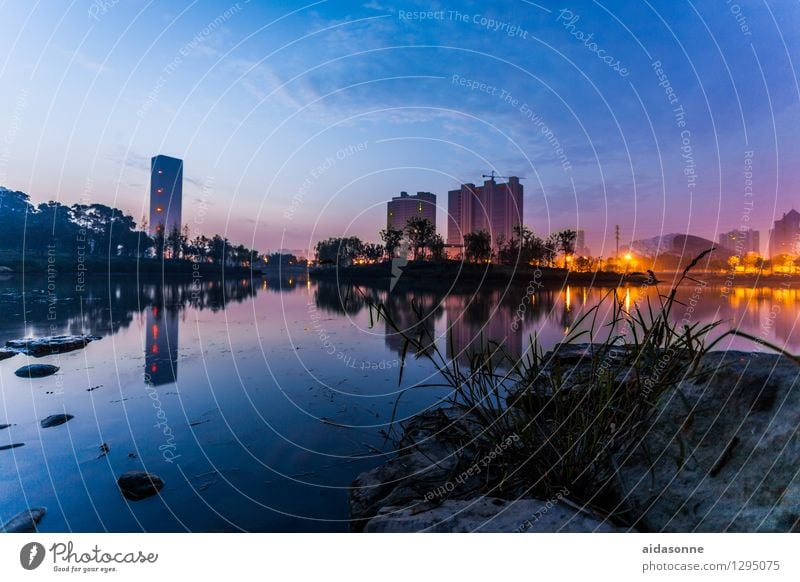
721,455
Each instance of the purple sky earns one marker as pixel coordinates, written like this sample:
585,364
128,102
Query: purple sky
299,122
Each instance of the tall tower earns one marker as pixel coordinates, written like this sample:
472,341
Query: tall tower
166,193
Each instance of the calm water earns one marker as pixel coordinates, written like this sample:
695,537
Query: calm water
256,403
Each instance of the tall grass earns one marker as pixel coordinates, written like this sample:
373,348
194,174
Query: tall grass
574,415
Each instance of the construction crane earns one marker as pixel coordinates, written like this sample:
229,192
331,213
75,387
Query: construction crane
492,176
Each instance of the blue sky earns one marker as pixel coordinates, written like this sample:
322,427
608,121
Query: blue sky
298,121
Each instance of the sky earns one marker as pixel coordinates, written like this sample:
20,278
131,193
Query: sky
298,121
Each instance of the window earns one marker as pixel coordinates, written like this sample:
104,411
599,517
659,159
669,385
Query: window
159,209
160,190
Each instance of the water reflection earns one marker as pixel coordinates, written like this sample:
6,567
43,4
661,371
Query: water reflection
263,386
161,351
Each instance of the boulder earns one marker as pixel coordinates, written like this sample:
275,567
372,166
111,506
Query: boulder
46,346
723,453
56,420
36,371
489,515
25,521
6,353
424,463
136,485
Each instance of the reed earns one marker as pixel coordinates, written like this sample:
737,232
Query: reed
574,415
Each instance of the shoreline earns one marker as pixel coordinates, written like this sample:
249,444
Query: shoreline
428,274
434,481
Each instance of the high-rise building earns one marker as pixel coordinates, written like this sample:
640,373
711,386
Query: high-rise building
741,241
580,244
785,236
401,208
495,208
166,193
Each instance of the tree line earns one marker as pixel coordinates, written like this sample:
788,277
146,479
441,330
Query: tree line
420,240
97,230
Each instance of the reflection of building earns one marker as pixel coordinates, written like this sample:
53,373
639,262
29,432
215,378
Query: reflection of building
495,208
401,208
161,355
413,315
741,241
783,238
478,323
166,193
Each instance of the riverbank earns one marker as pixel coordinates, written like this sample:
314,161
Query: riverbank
81,267
438,274
720,456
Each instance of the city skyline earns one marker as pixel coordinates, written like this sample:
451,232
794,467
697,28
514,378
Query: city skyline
288,147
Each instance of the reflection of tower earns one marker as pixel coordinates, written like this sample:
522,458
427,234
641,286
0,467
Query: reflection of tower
161,355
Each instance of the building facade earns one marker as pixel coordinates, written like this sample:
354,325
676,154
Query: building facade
741,241
401,208
785,235
166,193
495,208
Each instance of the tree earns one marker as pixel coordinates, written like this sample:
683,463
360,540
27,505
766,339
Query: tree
159,241
217,249
436,246
419,233
373,252
478,246
392,238
550,249
340,251
565,240
175,242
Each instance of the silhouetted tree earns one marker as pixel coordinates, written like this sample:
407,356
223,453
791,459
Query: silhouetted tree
392,238
566,243
419,233
478,246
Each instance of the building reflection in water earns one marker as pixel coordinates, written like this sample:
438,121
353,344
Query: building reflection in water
481,322
161,349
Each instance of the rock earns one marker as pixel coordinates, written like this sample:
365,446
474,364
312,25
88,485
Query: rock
486,514
45,346
2,426
25,521
724,459
423,464
12,446
56,420
6,353
36,371
4,269
136,485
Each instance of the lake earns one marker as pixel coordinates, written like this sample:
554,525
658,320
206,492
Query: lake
258,402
